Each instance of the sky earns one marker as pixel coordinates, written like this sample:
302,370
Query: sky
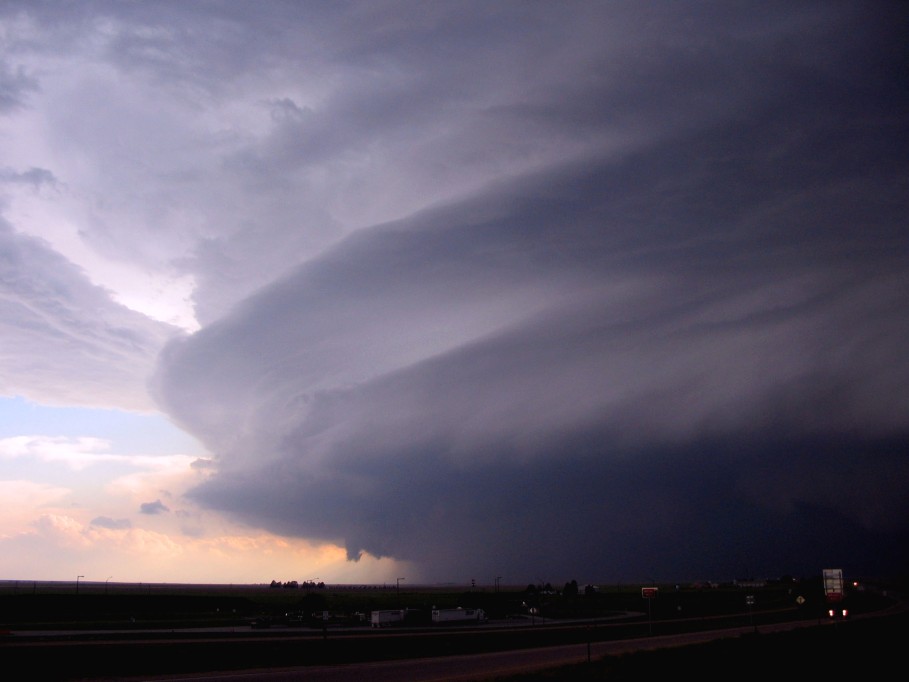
528,292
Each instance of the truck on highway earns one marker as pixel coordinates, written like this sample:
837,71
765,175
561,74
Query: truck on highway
835,593
458,615
386,617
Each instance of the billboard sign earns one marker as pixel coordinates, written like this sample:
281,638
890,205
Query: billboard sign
649,592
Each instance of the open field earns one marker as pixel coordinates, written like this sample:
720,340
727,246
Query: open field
110,631
91,605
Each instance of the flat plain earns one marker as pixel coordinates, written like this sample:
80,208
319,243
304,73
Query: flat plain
106,631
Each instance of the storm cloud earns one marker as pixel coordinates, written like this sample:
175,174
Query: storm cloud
683,355
601,291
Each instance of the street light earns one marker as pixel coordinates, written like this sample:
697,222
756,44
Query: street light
105,583
77,582
498,578
399,586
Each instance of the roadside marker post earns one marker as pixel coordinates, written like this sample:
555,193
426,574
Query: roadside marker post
650,593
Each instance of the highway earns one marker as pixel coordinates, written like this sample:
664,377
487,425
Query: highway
473,667
418,655
487,666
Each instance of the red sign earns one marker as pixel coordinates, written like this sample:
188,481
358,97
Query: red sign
649,592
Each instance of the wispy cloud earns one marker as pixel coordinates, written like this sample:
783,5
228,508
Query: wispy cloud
65,340
111,524
15,85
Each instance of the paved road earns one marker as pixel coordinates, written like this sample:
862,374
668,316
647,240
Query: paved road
461,668
476,667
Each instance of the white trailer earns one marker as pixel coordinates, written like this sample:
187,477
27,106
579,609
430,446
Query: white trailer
458,615
384,618
833,584
835,592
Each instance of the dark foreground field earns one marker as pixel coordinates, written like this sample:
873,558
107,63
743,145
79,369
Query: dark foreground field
129,633
863,649
859,650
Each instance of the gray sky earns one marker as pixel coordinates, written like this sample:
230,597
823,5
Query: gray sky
581,290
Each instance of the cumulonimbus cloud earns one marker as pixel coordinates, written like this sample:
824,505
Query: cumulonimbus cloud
568,370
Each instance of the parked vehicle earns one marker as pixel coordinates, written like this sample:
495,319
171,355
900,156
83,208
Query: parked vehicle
386,617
